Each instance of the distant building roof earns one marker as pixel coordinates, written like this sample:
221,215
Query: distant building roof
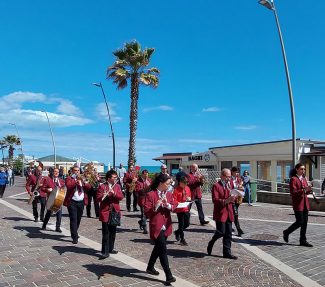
177,155
50,158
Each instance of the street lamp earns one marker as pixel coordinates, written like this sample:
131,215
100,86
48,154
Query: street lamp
269,4
54,149
109,118
21,147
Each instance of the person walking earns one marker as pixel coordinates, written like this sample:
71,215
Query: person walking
223,214
299,189
3,181
109,195
158,206
10,176
247,186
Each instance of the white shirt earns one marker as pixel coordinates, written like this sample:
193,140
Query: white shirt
78,197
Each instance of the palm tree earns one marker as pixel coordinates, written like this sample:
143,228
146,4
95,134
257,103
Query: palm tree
11,141
131,64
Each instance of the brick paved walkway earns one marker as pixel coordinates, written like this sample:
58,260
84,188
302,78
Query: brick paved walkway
31,257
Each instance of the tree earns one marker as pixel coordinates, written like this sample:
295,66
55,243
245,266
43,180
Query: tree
11,141
3,145
131,64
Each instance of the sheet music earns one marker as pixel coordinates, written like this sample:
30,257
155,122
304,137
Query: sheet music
237,192
183,204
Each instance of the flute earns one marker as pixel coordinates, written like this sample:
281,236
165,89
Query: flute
109,190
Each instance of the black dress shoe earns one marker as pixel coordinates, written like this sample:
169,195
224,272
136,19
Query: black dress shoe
43,228
285,236
230,256
113,252
171,280
75,241
152,271
204,222
103,256
145,231
306,244
135,209
58,229
36,219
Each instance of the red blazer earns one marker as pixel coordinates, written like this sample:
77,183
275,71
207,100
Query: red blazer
127,179
298,194
48,182
31,185
161,216
71,184
194,183
111,201
180,195
221,210
141,188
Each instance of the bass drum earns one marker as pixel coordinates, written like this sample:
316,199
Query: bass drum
55,200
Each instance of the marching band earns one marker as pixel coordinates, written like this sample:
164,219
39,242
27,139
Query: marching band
157,199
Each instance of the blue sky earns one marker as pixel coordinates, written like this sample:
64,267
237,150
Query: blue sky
222,76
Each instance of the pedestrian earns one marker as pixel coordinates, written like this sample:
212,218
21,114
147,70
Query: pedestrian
121,171
3,181
195,182
299,189
75,200
223,213
182,193
323,187
109,195
10,176
158,206
247,186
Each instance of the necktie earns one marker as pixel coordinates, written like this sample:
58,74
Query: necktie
79,189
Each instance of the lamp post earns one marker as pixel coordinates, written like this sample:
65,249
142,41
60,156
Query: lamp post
21,147
54,149
109,118
269,4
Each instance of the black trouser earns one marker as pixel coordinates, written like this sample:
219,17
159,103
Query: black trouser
128,200
42,201
236,215
223,229
75,209
108,238
198,202
143,219
58,218
301,221
2,190
92,197
183,223
160,250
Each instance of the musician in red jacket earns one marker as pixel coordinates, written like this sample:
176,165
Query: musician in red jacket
182,193
75,200
129,181
50,183
109,196
195,182
158,205
142,187
299,189
223,213
33,185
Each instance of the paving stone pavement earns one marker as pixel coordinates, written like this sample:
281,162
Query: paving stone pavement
31,257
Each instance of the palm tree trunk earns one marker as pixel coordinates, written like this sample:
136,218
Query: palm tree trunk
133,117
10,154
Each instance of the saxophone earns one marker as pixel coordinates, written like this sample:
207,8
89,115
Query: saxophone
133,183
35,193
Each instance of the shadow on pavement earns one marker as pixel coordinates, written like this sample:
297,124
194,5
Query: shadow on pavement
36,232
200,230
142,240
121,230
76,249
102,270
185,253
16,218
256,242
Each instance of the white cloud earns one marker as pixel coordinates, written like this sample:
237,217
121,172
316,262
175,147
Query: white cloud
161,108
246,128
101,112
11,110
211,109
67,107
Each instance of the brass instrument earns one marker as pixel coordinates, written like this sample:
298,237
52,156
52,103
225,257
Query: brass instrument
312,192
133,183
90,175
36,193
